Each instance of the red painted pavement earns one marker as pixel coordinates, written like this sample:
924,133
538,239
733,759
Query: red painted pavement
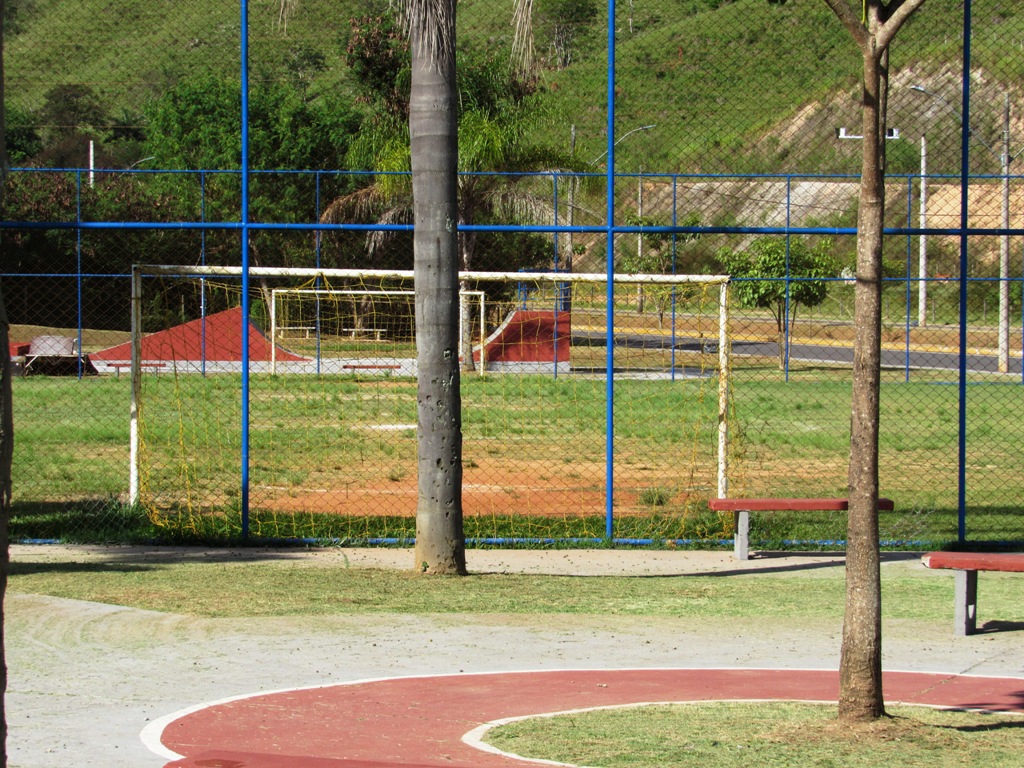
419,722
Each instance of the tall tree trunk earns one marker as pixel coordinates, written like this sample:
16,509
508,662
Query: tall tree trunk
440,542
873,24
6,424
6,456
860,671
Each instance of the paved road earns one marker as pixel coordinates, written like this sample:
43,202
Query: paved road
829,354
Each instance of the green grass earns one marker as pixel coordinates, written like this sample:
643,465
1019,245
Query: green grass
738,735
307,434
278,585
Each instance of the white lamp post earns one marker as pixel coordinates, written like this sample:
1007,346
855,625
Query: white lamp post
1005,158
922,241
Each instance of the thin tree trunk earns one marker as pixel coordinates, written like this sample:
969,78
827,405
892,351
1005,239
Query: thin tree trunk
873,24
440,543
860,671
6,456
6,426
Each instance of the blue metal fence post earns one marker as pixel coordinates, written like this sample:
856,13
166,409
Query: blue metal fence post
78,269
610,285
910,223
202,281
965,138
789,281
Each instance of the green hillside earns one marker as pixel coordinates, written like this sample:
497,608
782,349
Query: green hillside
742,86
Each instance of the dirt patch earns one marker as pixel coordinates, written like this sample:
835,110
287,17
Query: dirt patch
490,488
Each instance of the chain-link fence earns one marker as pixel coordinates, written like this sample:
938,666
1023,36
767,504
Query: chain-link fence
734,150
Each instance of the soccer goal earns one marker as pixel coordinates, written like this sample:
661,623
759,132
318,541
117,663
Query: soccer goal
580,397
327,316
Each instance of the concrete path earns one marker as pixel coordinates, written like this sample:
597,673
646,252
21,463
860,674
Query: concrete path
86,679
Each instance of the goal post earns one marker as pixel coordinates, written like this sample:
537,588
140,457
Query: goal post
667,362
287,304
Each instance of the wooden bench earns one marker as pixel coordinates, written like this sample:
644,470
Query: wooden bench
370,367
305,329
155,367
378,333
741,509
965,590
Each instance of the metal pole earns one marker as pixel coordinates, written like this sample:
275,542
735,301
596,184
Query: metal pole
1004,246
724,377
610,284
965,139
922,241
136,369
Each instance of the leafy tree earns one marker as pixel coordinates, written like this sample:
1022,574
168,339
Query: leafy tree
873,25
780,277
197,125
71,108
563,22
303,63
23,140
377,52
496,110
655,253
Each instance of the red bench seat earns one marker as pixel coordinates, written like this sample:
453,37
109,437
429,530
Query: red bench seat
741,509
965,585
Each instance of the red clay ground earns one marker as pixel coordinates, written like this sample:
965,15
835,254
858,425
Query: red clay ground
412,722
491,487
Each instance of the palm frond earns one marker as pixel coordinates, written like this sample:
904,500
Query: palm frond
361,205
431,25
397,214
522,41
511,203
284,12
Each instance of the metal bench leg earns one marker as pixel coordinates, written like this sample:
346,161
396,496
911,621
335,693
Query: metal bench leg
965,612
741,541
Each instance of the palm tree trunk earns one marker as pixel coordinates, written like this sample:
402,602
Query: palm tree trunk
440,543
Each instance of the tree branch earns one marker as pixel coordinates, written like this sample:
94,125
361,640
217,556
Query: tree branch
851,20
897,14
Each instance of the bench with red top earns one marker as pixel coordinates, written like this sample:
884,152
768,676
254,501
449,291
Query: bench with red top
965,591
741,509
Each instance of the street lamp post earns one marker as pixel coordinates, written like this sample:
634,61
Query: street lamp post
1005,158
922,244
1004,246
621,138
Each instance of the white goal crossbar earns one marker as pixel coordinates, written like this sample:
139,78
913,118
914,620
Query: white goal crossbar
140,270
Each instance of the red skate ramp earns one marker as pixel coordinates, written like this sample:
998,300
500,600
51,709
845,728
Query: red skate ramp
212,343
529,340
